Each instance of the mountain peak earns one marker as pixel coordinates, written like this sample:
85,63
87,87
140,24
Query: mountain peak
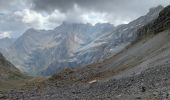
30,30
156,9
70,23
101,24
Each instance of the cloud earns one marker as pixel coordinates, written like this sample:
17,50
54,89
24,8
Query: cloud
39,21
11,23
111,6
65,5
18,22
94,17
16,16
7,6
114,11
5,34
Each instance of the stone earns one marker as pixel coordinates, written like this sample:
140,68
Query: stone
118,96
138,98
93,81
155,93
3,96
143,89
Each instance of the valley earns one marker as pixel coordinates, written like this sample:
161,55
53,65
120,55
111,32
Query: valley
90,62
42,52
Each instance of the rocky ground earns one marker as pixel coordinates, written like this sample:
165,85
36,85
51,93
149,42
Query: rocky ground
152,84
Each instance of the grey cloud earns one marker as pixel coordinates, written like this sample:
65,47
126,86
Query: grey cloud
127,6
65,5
7,6
126,10
117,11
11,23
5,3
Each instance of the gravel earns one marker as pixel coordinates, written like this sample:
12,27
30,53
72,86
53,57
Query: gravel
152,84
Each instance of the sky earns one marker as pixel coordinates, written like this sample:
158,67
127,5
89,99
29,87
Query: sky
16,16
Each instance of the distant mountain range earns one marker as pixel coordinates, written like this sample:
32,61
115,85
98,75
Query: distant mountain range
41,52
35,50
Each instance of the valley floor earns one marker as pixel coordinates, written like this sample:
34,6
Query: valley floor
152,84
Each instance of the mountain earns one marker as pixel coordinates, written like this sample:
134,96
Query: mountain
6,42
72,45
149,51
139,72
7,70
35,50
106,45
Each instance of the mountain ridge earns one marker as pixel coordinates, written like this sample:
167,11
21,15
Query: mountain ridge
73,44
62,41
121,37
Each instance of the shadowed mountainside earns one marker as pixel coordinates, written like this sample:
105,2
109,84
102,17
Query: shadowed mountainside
8,71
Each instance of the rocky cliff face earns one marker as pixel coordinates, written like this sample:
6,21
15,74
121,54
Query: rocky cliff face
160,24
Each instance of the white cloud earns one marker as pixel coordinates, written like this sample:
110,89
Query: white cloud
80,15
5,34
40,21
94,17
98,17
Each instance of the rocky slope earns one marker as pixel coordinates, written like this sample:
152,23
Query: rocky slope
153,84
139,72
